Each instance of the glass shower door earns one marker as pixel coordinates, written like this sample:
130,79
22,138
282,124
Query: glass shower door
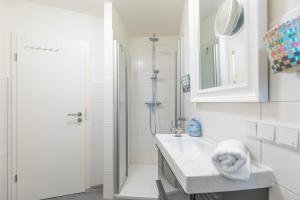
121,115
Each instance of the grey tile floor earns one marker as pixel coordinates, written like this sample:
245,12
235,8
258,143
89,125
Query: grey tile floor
91,194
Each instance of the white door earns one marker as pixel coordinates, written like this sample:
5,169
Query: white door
50,91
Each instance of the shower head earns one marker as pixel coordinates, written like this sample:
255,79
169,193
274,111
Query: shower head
154,38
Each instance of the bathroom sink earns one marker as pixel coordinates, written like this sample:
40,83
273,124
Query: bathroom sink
190,160
189,148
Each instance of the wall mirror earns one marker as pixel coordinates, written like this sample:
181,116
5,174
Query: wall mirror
228,59
222,43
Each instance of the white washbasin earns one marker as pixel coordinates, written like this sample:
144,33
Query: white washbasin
190,160
189,148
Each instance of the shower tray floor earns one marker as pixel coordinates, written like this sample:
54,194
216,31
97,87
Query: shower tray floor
140,183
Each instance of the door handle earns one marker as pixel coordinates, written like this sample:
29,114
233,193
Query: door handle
79,114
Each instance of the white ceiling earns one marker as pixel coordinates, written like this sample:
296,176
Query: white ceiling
141,17
92,7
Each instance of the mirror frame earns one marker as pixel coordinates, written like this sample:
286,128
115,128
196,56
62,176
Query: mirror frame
256,88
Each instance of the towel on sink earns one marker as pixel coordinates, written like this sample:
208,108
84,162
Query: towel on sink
232,160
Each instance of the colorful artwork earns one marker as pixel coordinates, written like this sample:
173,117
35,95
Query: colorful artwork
283,45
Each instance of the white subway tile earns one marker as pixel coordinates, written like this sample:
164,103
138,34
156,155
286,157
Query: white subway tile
163,78
172,94
254,147
3,89
3,177
97,91
164,110
134,156
96,153
3,142
133,66
285,163
164,125
133,77
96,135
134,110
145,60
251,128
172,78
133,141
144,77
3,115
279,193
133,96
108,114
282,111
97,112
144,126
96,174
108,162
164,59
144,94
134,125
283,87
108,90
146,142
148,156
108,138
108,187
143,109
164,92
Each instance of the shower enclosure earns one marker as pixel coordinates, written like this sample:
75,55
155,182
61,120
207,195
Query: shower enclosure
120,116
144,100
154,103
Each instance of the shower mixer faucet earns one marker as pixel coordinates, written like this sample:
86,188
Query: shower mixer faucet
178,131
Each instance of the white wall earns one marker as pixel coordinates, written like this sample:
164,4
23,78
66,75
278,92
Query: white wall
108,180
184,34
119,30
141,145
3,101
226,120
3,137
35,19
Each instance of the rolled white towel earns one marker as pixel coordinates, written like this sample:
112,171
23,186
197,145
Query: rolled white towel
232,160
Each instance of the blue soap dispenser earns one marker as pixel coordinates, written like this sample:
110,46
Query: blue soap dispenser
194,128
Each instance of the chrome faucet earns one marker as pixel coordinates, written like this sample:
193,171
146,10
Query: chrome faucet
178,130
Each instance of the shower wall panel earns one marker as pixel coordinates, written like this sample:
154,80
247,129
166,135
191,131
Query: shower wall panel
141,143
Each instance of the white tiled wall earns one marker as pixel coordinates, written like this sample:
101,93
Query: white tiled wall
4,101
141,146
108,177
227,120
3,137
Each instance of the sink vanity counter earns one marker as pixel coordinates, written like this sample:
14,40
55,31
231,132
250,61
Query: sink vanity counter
190,161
